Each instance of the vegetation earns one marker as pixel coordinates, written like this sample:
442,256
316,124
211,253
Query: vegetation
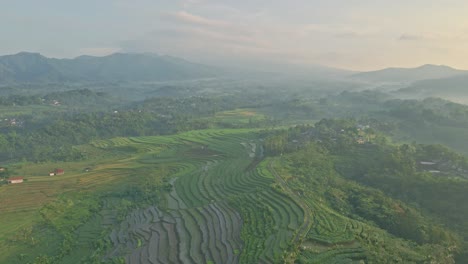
232,178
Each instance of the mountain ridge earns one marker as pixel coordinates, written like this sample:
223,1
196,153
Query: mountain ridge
29,67
454,86
396,74
33,67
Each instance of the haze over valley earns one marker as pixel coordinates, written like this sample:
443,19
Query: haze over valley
201,131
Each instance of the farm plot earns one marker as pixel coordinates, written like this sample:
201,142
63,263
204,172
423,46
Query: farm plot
196,235
217,204
220,209
332,238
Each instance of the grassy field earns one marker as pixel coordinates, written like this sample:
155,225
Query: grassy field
239,117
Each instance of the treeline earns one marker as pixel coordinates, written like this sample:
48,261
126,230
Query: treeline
51,136
70,98
429,120
432,110
54,138
334,133
380,105
20,100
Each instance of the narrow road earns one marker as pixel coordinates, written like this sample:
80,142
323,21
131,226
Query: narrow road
306,225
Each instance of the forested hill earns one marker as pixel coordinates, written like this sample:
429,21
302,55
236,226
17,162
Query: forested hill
27,67
423,72
454,88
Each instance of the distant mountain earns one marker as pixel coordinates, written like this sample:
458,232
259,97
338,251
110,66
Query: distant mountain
27,67
453,88
406,75
299,71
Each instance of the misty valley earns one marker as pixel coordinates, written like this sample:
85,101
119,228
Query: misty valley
141,158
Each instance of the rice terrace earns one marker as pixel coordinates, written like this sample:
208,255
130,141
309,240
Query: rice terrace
206,196
206,212
233,132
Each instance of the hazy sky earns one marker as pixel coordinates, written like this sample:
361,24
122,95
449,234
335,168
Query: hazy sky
352,34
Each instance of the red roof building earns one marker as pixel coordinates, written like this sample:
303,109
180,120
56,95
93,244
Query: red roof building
59,172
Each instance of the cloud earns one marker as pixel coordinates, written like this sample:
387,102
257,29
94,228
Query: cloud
195,27
410,37
190,3
205,39
219,33
339,30
186,17
238,36
349,35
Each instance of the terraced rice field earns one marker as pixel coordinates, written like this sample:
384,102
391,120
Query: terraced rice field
332,240
221,209
223,204
196,235
327,237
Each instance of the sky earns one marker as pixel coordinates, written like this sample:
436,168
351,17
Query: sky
347,34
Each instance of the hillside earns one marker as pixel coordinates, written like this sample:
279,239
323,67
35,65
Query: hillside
232,178
206,180
34,68
212,196
399,75
454,88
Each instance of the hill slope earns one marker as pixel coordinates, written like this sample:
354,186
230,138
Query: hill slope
453,88
32,67
424,72
212,196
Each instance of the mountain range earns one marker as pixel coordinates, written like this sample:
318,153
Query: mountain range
453,88
28,67
408,75
25,67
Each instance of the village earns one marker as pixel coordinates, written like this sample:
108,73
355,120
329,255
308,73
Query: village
6,178
11,122
360,134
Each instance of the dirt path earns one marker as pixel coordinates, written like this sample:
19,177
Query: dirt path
306,225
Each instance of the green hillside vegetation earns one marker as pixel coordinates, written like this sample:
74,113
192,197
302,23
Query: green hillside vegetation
43,132
426,200
231,177
212,196
430,121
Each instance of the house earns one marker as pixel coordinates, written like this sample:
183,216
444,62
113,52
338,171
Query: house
427,163
15,180
362,127
59,172
51,173
2,169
